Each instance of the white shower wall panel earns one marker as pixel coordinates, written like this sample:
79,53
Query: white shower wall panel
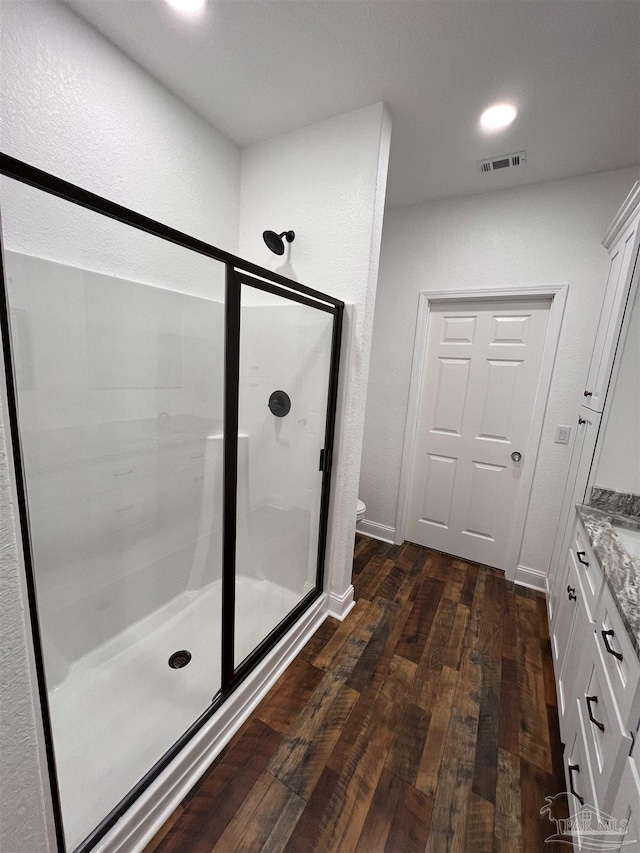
119,384
283,348
120,387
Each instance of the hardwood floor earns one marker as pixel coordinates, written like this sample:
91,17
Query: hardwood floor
426,721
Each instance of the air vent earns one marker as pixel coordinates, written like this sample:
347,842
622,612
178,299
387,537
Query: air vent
505,161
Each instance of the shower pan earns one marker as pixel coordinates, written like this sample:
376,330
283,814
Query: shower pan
172,413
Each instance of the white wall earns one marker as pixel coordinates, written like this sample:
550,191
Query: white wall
619,465
542,234
327,182
73,105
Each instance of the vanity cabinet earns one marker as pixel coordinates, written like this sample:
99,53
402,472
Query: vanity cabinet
598,680
596,650
623,243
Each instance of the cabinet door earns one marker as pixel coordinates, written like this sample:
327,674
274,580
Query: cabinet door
563,621
582,798
606,741
619,659
577,637
623,261
587,426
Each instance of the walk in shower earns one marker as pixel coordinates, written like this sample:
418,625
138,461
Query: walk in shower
172,411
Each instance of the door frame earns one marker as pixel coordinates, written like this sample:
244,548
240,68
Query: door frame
557,293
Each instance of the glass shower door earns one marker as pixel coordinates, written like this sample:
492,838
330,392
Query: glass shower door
284,375
118,358
172,428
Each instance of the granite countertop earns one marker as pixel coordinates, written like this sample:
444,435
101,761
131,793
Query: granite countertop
620,569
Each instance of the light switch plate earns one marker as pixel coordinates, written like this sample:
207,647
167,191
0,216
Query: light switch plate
563,434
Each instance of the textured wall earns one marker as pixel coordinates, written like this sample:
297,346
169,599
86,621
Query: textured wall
74,105
542,234
25,822
327,182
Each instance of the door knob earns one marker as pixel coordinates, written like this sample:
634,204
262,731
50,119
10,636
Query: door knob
516,456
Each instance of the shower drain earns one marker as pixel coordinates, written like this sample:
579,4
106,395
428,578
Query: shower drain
179,659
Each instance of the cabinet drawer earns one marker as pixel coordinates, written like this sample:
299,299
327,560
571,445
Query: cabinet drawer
606,740
619,656
580,789
588,570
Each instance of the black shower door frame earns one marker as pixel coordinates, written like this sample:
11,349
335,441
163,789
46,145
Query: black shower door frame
239,273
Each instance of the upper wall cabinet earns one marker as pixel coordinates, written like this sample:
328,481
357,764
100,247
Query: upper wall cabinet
622,242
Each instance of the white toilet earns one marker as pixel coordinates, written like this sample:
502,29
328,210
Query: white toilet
360,511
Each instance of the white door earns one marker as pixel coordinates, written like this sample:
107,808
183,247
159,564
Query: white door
477,398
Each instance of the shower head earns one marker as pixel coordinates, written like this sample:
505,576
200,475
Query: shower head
275,242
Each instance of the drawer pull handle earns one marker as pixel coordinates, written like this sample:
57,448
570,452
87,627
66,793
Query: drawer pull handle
580,555
571,592
122,473
581,421
605,637
575,767
124,508
595,722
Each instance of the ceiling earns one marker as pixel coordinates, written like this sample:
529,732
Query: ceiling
258,68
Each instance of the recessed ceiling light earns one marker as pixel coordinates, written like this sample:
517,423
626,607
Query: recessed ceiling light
188,7
499,115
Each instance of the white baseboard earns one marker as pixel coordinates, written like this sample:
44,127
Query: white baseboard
531,578
377,531
147,815
340,605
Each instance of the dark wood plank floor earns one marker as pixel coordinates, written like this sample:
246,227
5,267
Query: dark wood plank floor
426,721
